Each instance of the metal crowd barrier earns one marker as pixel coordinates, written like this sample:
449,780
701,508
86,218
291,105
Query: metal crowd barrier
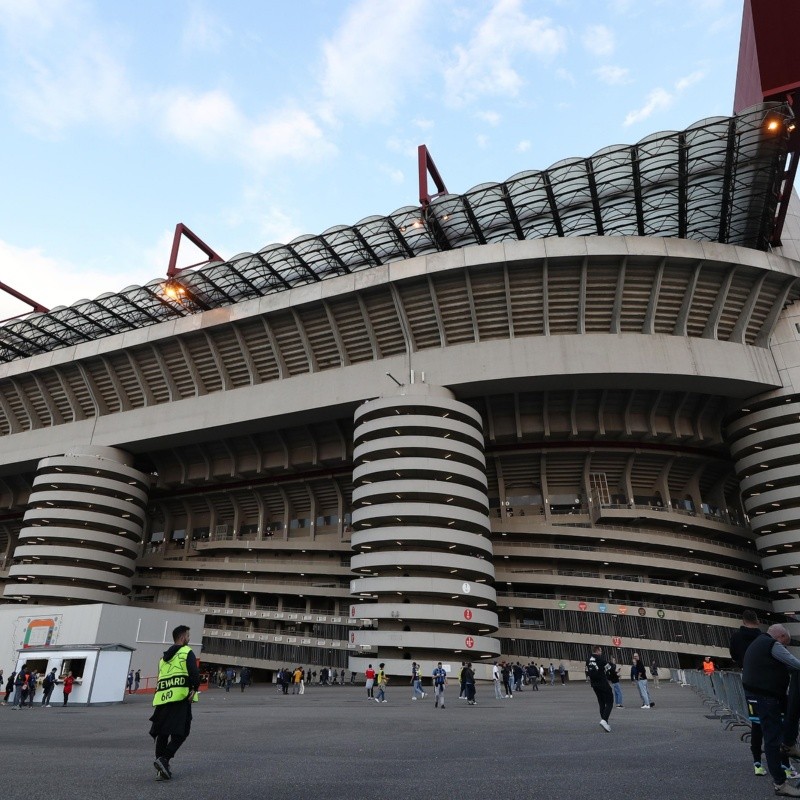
722,693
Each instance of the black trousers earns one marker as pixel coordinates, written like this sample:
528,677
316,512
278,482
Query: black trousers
605,699
167,746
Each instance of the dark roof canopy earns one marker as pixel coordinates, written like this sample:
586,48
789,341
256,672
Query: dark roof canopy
716,181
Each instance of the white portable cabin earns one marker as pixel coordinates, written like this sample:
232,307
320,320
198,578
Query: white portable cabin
100,670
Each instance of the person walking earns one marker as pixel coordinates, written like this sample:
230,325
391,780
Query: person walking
639,674
654,673
505,674
416,681
748,632
616,684
382,679
68,683
599,671
137,679
20,679
48,684
369,674
439,685
552,671
244,678
176,690
562,673
9,687
765,680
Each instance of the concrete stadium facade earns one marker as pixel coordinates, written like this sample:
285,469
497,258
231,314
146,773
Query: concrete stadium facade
612,459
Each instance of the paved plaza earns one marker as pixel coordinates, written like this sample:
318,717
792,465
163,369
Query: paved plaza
334,744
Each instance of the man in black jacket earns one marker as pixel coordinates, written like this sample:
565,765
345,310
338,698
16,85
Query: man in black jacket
599,671
748,632
765,680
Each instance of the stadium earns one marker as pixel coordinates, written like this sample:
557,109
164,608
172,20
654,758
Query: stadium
551,411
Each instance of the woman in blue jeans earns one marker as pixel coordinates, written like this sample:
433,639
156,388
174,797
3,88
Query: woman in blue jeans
616,685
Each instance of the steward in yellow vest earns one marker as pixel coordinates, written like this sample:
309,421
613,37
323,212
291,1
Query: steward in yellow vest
178,682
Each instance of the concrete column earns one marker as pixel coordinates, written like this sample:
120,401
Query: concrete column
421,544
82,531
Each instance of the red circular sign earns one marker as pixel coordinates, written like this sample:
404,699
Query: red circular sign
616,641
623,609
469,641
467,614
582,606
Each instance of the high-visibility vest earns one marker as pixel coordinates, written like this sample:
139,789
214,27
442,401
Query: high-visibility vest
708,666
173,679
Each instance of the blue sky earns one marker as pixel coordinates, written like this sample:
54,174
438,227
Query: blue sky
254,122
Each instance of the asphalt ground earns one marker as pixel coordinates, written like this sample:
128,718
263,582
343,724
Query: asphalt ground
333,744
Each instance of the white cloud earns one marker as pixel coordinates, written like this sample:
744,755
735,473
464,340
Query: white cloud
660,99
689,80
423,124
599,40
486,64
657,100
404,147
613,76
213,124
203,32
392,173
71,78
373,59
490,117
523,146
57,282
483,140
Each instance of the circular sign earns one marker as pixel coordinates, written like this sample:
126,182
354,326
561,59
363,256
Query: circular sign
466,588
352,638
352,611
616,641
562,603
467,613
469,641
641,612
660,613
623,609
602,608
582,606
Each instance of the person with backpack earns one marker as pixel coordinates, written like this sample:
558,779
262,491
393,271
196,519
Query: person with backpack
20,683
48,684
33,681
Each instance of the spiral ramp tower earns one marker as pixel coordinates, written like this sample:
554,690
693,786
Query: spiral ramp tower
82,530
421,532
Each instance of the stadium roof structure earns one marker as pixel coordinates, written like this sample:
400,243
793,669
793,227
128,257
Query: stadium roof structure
716,181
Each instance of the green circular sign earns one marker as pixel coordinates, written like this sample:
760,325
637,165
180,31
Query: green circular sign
562,603
660,613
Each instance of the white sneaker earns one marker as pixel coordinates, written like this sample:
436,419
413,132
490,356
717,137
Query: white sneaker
414,697
423,695
645,706
787,790
605,726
